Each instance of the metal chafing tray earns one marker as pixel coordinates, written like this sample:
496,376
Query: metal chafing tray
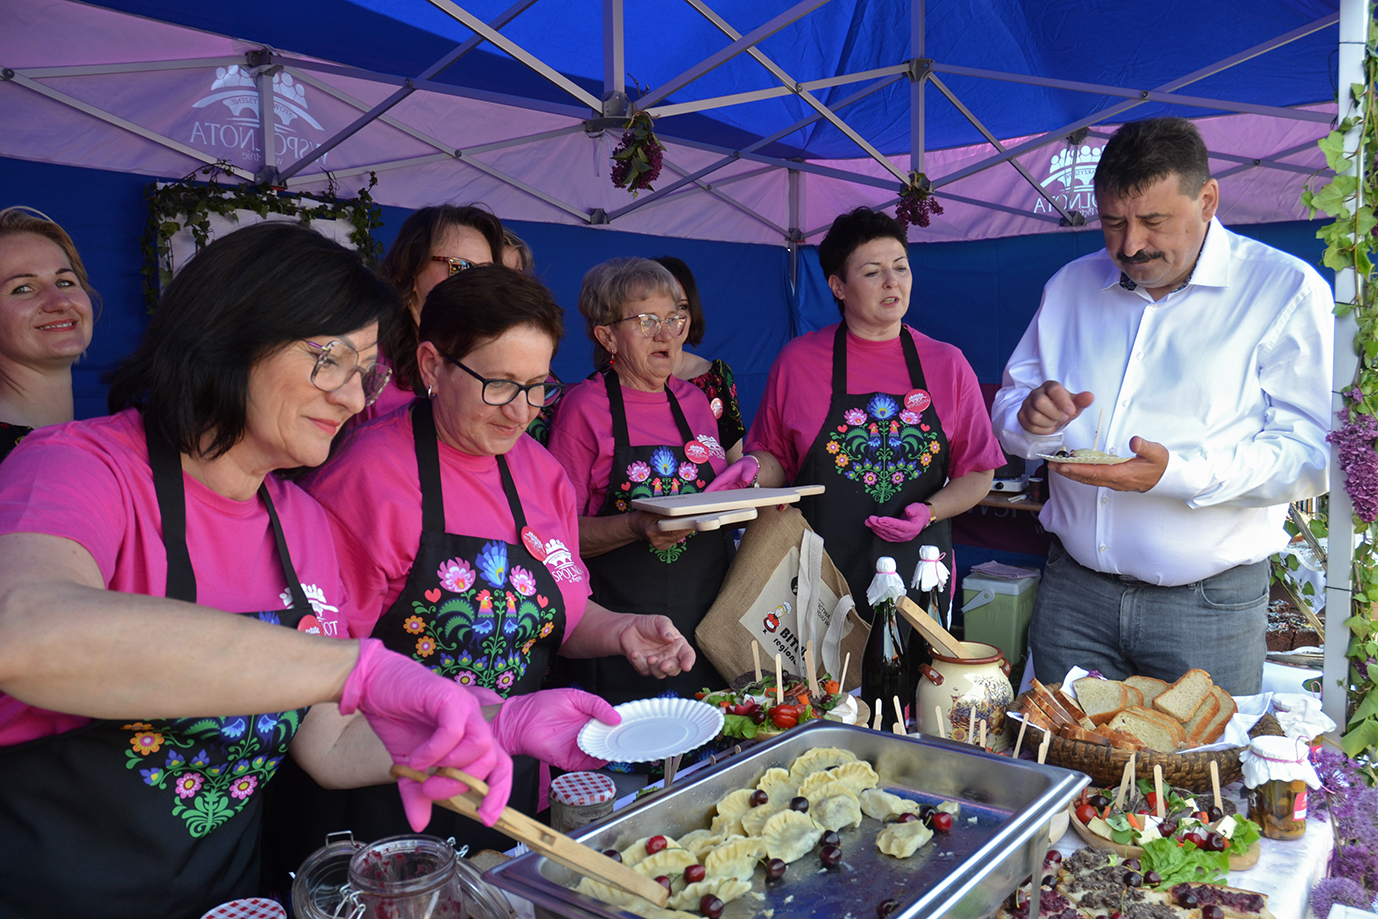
999,838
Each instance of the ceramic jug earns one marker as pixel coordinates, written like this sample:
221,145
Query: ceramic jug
955,693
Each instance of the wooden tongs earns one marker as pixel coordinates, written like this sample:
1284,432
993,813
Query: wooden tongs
538,837
929,628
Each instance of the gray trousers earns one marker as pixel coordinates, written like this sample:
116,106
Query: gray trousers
1123,627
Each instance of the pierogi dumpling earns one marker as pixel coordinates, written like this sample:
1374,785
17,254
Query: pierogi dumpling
827,787
903,839
636,852
725,889
817,760
754,820
857,776
669,862
730,825
790,835
735,858
778,785
836,811
879,804
648,910
608,894
700,841
736,803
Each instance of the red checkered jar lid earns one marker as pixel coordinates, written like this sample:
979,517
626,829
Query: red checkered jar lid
580,789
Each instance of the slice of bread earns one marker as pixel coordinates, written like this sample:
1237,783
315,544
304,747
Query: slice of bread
1136,696
1151,732
1147,685
1076,732
1120,739
1101,700
1181,699
1170,724
1071,707
1205,712
1212,729
1052,702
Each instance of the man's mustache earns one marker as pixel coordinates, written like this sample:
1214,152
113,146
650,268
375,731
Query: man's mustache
1139,258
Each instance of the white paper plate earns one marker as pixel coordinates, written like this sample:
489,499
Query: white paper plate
1086,460
651,730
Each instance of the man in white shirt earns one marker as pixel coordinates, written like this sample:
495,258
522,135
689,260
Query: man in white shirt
1205,359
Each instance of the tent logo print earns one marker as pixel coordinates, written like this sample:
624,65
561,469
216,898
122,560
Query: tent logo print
1075,170
233,87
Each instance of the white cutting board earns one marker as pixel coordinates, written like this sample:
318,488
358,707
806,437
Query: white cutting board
715,501
705,522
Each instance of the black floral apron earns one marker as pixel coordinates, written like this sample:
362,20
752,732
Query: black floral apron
877,453
680,582
149,818
480,611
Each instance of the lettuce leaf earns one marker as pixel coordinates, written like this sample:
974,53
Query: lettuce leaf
1185,863
739,726
1246,833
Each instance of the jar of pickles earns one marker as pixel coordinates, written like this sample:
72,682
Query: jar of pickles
1277,777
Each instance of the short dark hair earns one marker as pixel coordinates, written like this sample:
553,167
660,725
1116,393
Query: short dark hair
470,309
1141,153
850,231
685,277
243,298
410,252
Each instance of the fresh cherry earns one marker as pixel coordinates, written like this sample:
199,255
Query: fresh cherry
710,906
907,817
1195,839
1132,864
1167,827
799,803
613,854
655,844
1215,813
1212,911
1189,900
1099,801
941,822
830,838
1216,842
887,907
1133,879
664,881
831,856
775,868
1021,899
694,873
758,716
1053,856
927,810
1049,880
1152,878
759,797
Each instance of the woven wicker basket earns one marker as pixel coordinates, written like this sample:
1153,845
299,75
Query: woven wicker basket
1105,765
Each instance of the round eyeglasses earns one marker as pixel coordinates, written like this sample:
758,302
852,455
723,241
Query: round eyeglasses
337,362
502,392
456,264
651,323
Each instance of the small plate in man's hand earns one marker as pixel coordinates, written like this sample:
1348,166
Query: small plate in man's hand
1085,458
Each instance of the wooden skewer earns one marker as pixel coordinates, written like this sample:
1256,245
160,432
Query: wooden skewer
1125,779
971,725
899,714
779,682
939,720
898,728
553,844
1215,784
880,715
983,733
1019,741
1158,790
756,657
1043,747
1096,443
809,668
842,680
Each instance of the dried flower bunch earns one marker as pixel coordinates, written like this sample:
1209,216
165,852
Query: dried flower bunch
917,203
636,161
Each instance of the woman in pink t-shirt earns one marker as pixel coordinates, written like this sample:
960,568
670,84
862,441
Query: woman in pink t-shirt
631,431
460,543
125,760
891,421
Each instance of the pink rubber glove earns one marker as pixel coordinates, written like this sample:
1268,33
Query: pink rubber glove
425,720
901,529
739,475
546,725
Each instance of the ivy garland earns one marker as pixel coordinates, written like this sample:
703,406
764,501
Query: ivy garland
1350,243
188,203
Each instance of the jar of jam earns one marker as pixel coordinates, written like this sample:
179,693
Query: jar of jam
405,877
1277,777
579,798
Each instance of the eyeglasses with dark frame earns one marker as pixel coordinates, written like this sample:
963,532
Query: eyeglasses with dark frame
337,362
503,392
651,323
456,264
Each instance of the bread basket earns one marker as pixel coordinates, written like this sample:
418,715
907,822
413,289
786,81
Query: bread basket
1105,765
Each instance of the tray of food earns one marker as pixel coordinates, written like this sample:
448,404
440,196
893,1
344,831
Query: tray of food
822,821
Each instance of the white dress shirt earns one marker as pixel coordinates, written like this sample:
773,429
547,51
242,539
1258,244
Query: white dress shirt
1231,372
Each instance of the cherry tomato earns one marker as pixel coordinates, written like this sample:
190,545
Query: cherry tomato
1086,812
1152,799
785,716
